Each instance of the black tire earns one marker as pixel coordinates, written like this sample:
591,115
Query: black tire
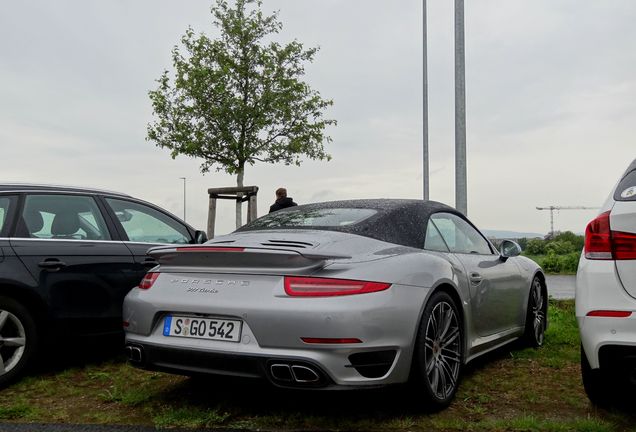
439,351
536,315
18,339
596,384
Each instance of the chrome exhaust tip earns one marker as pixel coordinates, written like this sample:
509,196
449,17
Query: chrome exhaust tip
281,372
304,374
290,373
133,353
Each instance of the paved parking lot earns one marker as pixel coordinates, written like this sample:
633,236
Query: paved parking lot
561,286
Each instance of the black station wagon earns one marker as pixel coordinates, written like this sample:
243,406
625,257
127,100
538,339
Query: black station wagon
68,256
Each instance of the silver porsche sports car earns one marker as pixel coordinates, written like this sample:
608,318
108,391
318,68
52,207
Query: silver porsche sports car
343,294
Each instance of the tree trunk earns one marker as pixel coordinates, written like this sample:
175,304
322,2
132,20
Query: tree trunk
239,204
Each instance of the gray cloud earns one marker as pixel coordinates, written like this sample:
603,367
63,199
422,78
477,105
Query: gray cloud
550,87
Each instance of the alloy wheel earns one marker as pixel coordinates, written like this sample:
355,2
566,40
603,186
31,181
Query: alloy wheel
442,350
538,312
12,341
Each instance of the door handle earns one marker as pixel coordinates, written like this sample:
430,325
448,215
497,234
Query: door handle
475,278
52,264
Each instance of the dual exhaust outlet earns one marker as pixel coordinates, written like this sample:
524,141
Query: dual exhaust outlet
284,373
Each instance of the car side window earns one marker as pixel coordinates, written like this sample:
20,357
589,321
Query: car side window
144,224
459,235
4,211
61,217
433,240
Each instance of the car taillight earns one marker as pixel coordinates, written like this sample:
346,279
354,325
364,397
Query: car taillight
299,286
148,280
598,240
601,243
624,245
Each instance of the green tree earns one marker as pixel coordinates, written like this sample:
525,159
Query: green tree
559,247
239,99
535,247
577,241
523,243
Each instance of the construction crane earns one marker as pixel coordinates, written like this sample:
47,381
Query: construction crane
553,208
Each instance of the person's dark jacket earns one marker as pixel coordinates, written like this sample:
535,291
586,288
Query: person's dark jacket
282,203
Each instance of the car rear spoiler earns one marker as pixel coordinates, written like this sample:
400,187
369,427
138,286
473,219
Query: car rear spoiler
229,259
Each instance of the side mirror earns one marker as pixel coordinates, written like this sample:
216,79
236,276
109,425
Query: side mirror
509,249
200,237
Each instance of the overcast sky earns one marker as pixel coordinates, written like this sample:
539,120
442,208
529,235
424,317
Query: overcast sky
550,85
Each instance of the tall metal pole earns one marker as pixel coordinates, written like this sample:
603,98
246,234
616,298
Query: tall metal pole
425,163
184,197
461,194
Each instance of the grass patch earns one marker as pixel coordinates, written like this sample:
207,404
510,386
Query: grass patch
18,411
562,338
189,417
127,396
533,424
99,375
511,389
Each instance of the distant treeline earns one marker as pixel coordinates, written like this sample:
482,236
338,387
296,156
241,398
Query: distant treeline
556,254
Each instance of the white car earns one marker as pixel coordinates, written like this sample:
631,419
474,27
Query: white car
606,296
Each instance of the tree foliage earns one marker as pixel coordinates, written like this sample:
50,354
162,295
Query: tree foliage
577,241
535,247
557,254
559,247
240,98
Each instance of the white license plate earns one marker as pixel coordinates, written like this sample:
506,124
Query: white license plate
202,328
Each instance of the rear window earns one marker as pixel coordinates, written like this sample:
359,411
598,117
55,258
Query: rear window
62,217
626,189
304,218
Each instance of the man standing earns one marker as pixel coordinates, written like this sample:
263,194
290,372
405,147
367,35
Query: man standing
282,201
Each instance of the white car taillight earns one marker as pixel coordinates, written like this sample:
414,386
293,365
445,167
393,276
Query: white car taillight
601,243
598,243
624,245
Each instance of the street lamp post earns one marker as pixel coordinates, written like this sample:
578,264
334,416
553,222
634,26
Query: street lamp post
184,197
425,163
461,195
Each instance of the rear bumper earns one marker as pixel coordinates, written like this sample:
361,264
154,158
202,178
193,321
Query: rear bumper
283,372
599,333
598,288
385,322
290,371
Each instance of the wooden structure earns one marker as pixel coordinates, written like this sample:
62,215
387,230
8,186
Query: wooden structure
238,194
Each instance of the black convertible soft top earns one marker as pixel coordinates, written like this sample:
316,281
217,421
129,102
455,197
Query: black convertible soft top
398,221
